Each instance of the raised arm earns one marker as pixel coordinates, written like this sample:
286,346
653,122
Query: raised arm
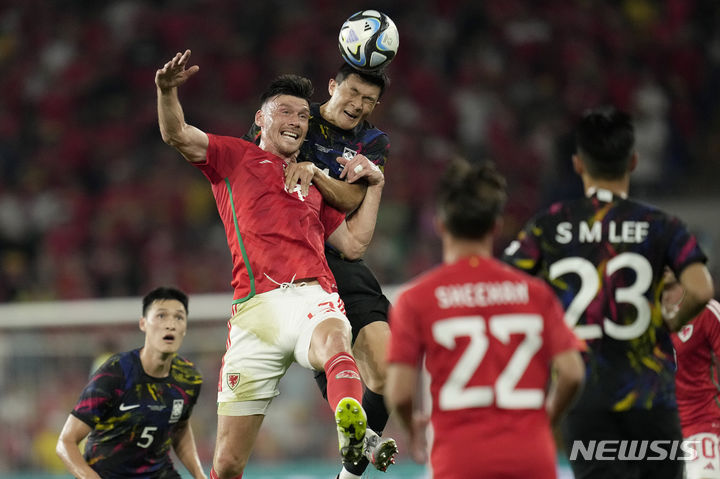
191,142
697,283
353,236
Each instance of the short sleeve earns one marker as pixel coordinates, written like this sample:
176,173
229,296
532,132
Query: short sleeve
525,252
710,323
406,340
377,149
330,218
224,154
99,395
683,248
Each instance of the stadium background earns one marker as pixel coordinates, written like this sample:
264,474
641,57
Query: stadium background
94,208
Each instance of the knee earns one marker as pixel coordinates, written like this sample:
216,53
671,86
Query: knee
227,467
330,338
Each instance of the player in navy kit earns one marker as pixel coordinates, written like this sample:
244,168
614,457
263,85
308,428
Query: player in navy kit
605,255
137,405
339,128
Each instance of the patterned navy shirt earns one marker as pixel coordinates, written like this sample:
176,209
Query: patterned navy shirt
604,256
133,415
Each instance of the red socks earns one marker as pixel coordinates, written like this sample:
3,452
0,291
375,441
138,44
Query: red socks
343,379
213,475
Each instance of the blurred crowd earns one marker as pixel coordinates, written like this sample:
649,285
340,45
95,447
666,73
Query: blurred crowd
94,204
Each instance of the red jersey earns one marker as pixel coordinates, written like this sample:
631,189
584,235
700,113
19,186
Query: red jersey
488,333
274,235
697,349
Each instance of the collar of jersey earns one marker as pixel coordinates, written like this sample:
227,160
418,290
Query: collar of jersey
603,194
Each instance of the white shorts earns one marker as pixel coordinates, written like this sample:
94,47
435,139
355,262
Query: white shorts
266,335
707,463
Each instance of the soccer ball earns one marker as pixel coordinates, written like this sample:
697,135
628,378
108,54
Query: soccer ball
368,40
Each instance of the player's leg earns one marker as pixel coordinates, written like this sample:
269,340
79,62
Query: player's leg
661,429
253,364
370,350
236,437
703,456
582,432
324,344
330,350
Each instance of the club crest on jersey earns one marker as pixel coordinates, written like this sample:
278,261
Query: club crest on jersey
232,379
177,409
349,154
347,374
685,333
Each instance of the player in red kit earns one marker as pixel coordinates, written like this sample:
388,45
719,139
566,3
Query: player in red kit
697,349
285,306
490,337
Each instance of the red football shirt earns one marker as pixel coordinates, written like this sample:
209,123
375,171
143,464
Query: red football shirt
697,349
488,333
273,235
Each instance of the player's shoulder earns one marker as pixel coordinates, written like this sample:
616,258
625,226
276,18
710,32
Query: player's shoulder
711,311
645,208
186,370
116,368
504,272
421,284
556,210
369,133
235,142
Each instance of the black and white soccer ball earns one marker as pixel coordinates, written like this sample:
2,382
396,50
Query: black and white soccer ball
368,40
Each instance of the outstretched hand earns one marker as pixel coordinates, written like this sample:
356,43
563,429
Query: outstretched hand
174,73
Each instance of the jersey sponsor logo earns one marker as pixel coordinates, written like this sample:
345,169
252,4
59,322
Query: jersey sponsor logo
685,333
232,379
322,148
177,409
347,374
349,154
128,407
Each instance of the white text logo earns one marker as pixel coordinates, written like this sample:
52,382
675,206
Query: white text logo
634,450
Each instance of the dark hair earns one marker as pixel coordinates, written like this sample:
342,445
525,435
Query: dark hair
161,293
605,140
293,85
470,198
378,78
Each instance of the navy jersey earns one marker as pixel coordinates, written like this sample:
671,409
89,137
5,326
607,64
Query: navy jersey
604,256
325,142
132,415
